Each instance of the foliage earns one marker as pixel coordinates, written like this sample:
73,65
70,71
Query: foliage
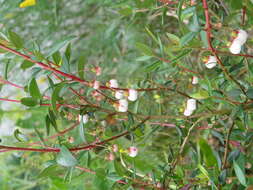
62,125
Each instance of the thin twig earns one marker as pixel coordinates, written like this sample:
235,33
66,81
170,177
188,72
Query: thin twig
227,146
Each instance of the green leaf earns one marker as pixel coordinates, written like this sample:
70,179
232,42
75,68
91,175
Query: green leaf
236,4
55,97
29,101
239,173
15,39
126,11
152,35
68,52
60,44
144,49
49,171
48,122
249,93
173,38
20,136
39,56
6,69
26,64
120,170
187,38
80,66
200,95
209,156
52,118
34,89
65,158
81,132
153,66
204,38
57,58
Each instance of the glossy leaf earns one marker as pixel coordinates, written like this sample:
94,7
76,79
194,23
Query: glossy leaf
239,173
34,89
15,39
29,101
65,158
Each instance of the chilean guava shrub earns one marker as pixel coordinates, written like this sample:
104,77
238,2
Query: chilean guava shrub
139,94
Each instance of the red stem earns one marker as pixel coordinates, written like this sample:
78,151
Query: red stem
87,147
18,101
208,36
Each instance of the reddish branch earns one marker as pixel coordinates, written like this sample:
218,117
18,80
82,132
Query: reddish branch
87,147
51,137
18,101
10,83
208,36
243,15
69,76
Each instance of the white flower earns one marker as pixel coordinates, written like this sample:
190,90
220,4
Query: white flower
235,47
195,80
119,94
123,105
133,95
83,118
132,151
242,36
96,84
212,62
188,112
191,104
113,83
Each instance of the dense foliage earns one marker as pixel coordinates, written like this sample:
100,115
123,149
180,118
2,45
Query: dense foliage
126,94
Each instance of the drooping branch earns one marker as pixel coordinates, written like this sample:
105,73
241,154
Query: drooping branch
87,147
213,51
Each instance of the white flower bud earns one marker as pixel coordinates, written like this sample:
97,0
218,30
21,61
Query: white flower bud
96,84
133,95
235,47
123,105
191,104
83,118
119,94
188,112
242,36
113,83
212,62
195,80
132,151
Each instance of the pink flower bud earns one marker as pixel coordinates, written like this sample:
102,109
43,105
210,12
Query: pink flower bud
71,139
119,94
132,151
158,185
211,62
133,94
98,70
83,118
96,84
115,148
113,83
110,157
195,80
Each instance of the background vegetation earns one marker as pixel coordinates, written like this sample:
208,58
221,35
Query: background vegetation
153,46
